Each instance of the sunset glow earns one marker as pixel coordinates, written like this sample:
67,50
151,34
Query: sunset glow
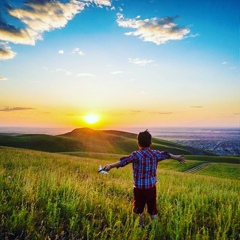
135,63
91,119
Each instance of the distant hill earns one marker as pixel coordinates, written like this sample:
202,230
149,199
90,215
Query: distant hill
89,140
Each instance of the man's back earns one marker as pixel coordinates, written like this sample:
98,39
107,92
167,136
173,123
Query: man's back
144,163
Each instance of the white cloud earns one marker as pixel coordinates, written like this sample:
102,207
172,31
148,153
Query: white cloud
6,51
140,62
158,31
81,53
116,72
46,17
78,51
66,72
38,18
224,63
85,75
100,2
3,78
61,52
9,33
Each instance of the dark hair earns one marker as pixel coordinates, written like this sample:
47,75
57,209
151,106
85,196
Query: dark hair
144,139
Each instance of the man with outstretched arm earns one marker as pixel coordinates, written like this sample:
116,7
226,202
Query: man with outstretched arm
144,163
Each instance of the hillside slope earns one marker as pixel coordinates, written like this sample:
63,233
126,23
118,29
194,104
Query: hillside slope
88,140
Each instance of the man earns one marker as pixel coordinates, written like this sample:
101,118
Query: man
144,162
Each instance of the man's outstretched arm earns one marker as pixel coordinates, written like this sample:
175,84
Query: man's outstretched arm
108,167
180,158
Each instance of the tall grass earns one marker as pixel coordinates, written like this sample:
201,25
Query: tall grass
52,196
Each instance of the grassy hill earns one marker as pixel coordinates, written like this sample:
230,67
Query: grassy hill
88,140
55,196
40,142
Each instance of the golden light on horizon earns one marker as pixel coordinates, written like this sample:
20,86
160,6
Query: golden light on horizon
91,118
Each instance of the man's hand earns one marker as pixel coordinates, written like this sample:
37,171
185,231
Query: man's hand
107,167
180,158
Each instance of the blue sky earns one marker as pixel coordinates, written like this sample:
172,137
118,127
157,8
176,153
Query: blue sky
133,63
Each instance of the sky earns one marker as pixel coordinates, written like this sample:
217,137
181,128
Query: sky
152,63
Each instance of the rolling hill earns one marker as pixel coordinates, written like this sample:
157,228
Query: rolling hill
89,140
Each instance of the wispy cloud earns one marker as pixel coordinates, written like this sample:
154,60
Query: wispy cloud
66,72
196,106
85,75
140,62
134,111
61,51
152,113
158,31
161,113
229,65
8,109
116,72
3,78
100,2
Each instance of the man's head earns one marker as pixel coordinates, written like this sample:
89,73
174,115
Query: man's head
144,139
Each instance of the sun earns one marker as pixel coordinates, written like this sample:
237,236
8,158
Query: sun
91,118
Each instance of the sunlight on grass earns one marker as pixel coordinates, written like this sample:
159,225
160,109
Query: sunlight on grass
50,196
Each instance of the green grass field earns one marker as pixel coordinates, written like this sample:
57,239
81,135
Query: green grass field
56,196
222,166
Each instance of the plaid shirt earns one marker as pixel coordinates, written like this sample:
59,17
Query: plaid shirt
144,163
